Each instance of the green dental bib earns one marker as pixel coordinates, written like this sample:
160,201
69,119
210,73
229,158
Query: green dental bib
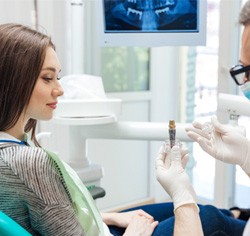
84,205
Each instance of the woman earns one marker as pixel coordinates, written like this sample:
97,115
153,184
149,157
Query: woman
33,192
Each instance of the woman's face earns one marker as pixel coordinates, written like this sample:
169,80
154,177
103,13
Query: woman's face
47,89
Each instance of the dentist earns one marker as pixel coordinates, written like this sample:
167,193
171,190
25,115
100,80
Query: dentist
223,143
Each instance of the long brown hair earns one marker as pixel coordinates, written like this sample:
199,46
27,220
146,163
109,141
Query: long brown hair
22,53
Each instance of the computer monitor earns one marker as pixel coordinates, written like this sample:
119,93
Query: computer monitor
152,23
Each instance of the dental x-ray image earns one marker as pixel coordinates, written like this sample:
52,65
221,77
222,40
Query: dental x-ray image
151,15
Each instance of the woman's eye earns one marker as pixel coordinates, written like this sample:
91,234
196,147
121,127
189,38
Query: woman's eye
47,78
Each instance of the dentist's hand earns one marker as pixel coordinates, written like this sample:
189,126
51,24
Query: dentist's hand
224,143
173,178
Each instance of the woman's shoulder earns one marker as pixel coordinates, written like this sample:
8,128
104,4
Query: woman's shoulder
24,156
34,167
28,162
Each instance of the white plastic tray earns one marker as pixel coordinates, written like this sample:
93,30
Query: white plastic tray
76,108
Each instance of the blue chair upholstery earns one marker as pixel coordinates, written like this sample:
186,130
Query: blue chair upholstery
9,227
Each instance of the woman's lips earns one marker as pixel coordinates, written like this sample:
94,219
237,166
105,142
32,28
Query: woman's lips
52,105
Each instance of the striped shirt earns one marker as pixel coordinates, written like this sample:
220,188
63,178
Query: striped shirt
32,192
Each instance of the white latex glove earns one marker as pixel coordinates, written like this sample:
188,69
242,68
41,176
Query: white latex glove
224,143
173,178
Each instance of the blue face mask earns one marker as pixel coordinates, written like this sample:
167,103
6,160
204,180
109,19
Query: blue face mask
245,88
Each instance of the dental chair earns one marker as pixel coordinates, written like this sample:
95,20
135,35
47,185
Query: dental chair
9,227
96,192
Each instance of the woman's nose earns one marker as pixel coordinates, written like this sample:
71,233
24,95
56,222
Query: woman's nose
58,90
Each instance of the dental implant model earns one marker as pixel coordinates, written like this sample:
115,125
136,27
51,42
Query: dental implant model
172,132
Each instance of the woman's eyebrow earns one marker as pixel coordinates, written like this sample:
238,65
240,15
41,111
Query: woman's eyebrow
51,69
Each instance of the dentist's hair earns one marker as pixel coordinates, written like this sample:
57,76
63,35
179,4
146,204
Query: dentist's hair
244,17
22,53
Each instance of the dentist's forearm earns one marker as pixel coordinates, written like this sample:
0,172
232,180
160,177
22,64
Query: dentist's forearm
187,221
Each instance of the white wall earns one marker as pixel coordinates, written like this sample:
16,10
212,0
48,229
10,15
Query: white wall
54,19
17,11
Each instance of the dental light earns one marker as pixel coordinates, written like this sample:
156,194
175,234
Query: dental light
234,106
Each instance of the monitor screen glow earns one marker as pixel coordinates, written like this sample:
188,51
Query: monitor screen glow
152,22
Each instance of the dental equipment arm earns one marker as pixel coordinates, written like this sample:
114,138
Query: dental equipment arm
224,143
173,178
